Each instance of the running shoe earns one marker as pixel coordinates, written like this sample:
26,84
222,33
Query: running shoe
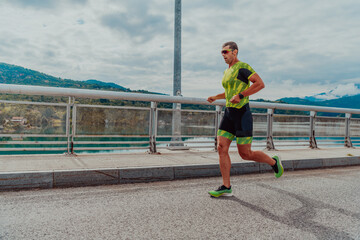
222,190
278,167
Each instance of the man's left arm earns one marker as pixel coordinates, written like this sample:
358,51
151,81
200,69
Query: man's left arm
256,86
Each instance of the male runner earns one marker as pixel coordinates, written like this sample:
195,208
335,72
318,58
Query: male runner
237,120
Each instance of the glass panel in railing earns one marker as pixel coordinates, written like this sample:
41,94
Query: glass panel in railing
198,123
260,124
32,119
355,131
329,126
111,121
355,127
164,123
294,126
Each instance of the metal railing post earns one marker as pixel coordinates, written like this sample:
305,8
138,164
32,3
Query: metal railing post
313,143
348,142
269,139
73,132
218,110
68,116
176,123
177,143
153,127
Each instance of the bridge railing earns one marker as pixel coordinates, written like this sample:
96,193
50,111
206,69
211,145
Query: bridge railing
72,127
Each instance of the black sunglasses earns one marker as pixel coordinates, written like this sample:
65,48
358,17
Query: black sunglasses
225,51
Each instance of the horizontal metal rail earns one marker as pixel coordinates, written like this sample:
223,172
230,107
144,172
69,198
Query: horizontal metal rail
34,103
319,140
33,142
189,142
112,107
186,110
289,140
31,149
109,148
187,147
328,136
186,136
20,135
259,114
99,94
290,136
111,136
109,142
330,144
288,115
293,145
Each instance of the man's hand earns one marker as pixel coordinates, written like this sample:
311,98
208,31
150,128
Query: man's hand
211,99
235,99
216,97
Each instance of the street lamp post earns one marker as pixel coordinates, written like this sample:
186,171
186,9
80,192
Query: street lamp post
177,49
176,121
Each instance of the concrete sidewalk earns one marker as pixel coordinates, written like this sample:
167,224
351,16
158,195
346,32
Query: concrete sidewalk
50,171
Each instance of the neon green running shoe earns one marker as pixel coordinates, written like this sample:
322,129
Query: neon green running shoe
278,167
222,190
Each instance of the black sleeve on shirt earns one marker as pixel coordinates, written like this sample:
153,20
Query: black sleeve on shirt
244,74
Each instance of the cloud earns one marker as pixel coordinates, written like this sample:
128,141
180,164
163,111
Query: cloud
349,89
138,23
314,45
45,4
80,21
297,50
37,4
276,89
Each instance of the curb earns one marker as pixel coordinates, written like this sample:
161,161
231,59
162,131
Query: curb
11,181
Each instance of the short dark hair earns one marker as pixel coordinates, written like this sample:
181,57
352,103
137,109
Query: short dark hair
232,45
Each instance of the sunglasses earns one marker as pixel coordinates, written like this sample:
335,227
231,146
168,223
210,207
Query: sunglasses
225,51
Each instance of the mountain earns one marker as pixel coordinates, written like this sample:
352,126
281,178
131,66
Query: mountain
345,102
316,98
12,74
343,90
342,102
343,96
106,84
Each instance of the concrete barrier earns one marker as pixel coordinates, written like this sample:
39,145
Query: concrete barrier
10,181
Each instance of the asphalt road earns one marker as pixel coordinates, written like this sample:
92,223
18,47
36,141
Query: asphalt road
312,204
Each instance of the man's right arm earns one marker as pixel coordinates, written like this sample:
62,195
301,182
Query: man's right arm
216,97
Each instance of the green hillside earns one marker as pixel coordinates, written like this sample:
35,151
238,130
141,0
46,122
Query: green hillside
344,102
12,74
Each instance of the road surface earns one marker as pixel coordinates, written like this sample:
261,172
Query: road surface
309,204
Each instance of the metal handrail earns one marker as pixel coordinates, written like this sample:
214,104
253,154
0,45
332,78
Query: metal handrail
101,94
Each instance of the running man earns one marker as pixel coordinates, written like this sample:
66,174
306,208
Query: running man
237,121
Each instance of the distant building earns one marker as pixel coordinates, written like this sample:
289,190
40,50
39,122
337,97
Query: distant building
20,120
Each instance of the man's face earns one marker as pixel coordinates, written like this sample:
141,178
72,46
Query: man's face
228,54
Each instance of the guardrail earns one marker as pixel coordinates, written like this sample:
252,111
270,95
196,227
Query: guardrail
84,127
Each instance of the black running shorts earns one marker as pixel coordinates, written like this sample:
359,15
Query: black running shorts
239,123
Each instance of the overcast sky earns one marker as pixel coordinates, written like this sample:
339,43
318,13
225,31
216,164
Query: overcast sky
299,48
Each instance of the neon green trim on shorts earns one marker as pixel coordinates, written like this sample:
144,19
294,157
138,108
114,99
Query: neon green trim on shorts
225,134
244,140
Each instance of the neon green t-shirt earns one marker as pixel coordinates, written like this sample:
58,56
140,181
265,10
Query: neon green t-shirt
236,80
